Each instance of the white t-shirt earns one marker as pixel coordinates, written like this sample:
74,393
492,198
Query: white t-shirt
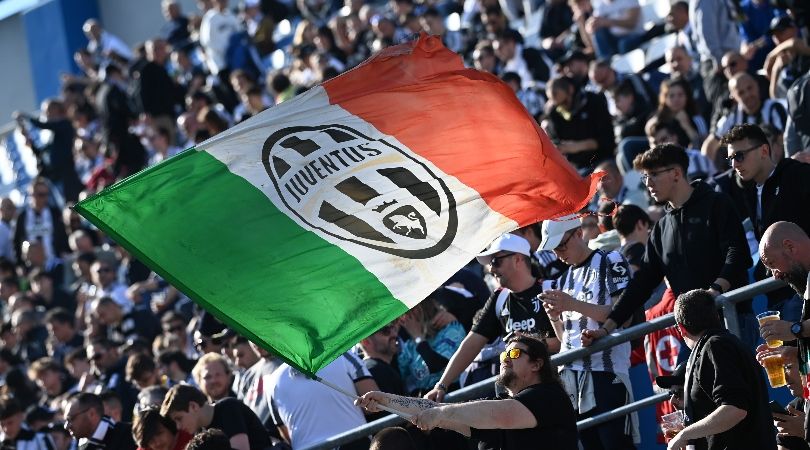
595,281
617,9
310,410
216,29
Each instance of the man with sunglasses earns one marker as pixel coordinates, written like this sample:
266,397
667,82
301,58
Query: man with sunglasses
774,189
514,308
580,299
86,422
106,283
537,413
699,243
110,369
379,351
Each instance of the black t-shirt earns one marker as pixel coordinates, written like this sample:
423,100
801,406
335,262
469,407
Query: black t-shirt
522,311
234,417
386,376
723,371
556,422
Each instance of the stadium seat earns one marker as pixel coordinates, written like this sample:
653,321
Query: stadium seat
630,62
658,47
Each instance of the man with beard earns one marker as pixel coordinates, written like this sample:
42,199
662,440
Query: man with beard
214,376
785,250
536,411
380,351
515,307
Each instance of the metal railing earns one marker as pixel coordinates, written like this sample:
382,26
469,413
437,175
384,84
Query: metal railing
484,388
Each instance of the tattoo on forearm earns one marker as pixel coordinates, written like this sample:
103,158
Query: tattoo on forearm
410,402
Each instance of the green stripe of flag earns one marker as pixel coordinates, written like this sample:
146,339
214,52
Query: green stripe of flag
259,271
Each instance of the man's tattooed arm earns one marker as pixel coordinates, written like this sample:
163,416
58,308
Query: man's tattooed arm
420,404
408,405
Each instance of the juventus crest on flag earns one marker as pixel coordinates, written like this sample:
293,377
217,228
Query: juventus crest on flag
311,225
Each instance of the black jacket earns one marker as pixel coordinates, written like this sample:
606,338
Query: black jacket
589,119
692,246
785,196
118,437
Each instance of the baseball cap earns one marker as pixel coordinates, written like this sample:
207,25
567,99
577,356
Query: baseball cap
779,24
678,377
505,243
554,229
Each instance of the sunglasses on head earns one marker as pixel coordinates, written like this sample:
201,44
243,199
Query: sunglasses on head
511,354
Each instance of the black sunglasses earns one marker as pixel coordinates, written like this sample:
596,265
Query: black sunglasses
740,155
497,260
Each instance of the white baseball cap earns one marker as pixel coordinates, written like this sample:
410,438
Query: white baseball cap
505,243
554,229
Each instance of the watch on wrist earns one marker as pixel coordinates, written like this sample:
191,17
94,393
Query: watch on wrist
717,287
440,387
796,329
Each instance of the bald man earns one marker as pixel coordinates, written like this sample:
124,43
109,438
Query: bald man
751,108
785,250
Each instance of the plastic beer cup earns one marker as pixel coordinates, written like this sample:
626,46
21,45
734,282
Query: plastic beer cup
766,317
775,369
671,424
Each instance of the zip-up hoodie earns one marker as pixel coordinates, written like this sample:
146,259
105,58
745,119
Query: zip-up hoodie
691,246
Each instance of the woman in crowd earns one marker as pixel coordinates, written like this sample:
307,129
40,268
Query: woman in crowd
675,103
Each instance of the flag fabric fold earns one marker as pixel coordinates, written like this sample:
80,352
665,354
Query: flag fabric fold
309,226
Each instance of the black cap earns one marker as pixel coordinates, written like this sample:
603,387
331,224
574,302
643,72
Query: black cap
678,377
573,55
780,23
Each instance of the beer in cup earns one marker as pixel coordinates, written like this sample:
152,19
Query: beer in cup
671,424
768,316
775,369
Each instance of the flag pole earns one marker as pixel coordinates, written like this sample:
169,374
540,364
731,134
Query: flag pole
404,415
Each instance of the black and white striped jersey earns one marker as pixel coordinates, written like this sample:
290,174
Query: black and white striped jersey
602,276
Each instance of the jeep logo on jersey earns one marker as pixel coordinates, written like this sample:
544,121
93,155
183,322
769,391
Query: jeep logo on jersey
361,189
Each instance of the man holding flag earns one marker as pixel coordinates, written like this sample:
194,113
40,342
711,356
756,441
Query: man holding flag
536,413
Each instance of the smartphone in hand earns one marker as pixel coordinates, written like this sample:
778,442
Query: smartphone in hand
776,408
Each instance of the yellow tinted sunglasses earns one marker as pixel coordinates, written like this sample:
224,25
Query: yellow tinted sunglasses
511,354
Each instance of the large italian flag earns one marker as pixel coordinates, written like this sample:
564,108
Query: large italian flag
314,223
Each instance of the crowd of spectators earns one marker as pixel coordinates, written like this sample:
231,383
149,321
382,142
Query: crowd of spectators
703,150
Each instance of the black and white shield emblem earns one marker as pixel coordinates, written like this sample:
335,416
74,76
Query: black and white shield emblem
361,189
